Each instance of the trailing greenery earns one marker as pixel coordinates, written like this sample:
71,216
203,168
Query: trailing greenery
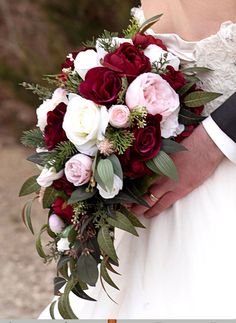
120,138
57,158
42,92
33,138
132,28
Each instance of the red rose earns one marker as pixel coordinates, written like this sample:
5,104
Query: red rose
62,209
53,132
128,61
62,184
101,85
176,79
142,41
69,62
146,146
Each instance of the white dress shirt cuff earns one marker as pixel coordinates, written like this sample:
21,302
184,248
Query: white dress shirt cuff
222,141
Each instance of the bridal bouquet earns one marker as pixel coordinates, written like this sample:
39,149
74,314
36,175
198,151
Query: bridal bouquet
106,129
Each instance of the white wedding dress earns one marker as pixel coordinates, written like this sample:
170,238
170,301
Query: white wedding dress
183,265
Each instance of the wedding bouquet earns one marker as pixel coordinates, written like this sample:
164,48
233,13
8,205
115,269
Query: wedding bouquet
107,127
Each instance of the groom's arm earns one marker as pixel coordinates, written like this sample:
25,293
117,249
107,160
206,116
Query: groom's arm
221,127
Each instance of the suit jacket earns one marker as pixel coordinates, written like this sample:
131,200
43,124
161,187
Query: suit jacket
225,117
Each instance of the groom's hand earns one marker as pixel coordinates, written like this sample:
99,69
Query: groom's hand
194,166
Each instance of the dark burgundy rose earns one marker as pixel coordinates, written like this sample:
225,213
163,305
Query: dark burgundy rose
69,62
176,79
142,41
53,132
127,60
62,184
101,85
62,209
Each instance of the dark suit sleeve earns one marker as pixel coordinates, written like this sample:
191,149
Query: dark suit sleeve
225,117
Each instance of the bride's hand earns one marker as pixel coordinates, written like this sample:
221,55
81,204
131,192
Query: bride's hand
194,166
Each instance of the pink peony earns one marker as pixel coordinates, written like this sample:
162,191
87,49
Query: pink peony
78,169
119,116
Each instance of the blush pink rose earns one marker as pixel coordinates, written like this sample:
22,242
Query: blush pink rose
151,91
119,116
78,169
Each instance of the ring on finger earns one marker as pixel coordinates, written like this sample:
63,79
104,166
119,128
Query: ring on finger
152,197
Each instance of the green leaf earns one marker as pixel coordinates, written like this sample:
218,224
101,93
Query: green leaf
38,158
62,266
106,276
81,195
151,165
149,22
116,165
26,215
64,307
38,242
123,223
33,138
29,186
58,282
66,231
187,117
87,269
106,173
184,89
166,165
196,69
49,197
109,267
78,291
199,98
52,309
169,146
106,244
132,217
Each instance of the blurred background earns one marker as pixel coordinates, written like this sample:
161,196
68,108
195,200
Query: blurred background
35,37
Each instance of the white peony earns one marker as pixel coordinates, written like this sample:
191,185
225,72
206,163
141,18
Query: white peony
58,96
171,127
85,123
86,60
154,53
48,175
56,224
117,186
63,244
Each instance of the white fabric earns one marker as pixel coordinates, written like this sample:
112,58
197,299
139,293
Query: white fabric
223,142
183,265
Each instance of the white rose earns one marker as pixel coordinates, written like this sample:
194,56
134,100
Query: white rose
171,127
63,244
85,123
86,60
58,96
56,224
48,175
154,53
117,186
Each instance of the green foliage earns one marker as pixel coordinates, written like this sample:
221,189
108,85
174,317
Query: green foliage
72,82
29,186
26,215
124,86
106,244
170,146
138,117
159,66
58,157
149,22
106,41
87,269
64,307
132,28
81,194
106,277
38,243
106,173
49,197
122,222
120,138
187,117
199,98
33,138
42,92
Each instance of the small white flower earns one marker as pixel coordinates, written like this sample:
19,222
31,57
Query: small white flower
48,175
117,186
56,224
58,96
155,53
86,60
63,244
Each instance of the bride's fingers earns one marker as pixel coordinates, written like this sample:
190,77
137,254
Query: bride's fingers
139,209
164,203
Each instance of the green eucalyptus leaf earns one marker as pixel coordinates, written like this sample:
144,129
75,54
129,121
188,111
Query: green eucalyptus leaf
87,269
79,291
149,22
29,186
106,276
123,223
132,217
116,165
64,307
187,117
106,244
151,165
99,181
106,173
38,242
52,309
26,215
62,261
49,197
169,146
166,165
199,98
185,88
66,231
39,158
81,195
109,267
197,69
59,282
